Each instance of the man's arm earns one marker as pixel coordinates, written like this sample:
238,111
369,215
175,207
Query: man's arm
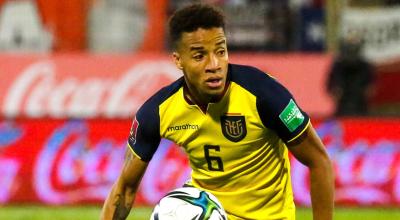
119,202
310,151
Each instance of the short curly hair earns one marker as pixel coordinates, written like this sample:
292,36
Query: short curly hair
192,17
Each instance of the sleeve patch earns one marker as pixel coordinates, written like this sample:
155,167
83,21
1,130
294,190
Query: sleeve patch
291,116
133,132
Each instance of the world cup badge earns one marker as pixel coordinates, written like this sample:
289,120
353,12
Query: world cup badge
133,132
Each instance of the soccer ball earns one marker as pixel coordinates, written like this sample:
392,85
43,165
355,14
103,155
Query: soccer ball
188,203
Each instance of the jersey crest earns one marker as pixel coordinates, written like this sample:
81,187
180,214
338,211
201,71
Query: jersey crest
233,127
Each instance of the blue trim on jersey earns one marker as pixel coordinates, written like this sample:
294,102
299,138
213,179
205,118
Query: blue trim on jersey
272,98
148,132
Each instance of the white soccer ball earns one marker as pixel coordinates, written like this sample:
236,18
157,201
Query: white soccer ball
188,203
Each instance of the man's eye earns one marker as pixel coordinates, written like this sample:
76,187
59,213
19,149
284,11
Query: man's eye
198,57
221,52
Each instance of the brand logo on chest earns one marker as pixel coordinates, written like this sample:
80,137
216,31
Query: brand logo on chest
233,127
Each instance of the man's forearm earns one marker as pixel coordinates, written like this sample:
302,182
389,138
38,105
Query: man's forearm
118,204
322,191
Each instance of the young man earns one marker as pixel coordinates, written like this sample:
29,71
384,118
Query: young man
237,124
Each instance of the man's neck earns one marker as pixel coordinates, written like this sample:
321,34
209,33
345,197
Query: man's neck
191,98
194,100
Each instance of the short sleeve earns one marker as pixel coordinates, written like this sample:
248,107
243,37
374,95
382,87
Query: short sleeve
279,111
144,136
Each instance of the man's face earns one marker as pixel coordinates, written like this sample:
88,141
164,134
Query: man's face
203,57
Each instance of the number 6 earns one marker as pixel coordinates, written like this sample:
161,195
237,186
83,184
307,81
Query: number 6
211,160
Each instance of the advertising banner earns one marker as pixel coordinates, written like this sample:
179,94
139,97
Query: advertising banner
76,161
80,85
115,86
366,158
379,29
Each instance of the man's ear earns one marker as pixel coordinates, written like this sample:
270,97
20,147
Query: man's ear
177,60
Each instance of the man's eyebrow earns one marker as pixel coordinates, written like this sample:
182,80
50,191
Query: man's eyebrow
222,41
194,48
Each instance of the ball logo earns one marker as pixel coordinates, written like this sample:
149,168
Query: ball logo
233,127
133,132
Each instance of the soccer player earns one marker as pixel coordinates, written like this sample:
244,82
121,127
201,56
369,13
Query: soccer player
236,124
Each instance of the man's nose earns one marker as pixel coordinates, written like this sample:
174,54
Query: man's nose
213,64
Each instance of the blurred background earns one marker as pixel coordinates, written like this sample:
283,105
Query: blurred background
74,72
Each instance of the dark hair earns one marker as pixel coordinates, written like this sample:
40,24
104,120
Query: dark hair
192,17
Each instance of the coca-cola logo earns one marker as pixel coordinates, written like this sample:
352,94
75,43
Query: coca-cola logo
77,161
40,91
71,169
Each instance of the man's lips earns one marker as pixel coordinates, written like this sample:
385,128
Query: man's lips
214,82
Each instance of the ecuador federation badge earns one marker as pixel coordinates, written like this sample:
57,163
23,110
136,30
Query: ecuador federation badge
233,127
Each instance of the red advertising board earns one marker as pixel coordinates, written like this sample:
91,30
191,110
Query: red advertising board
80,85
366,157
76,161
114,86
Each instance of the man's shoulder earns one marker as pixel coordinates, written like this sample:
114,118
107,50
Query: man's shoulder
246,73
240,69
163,94
251,78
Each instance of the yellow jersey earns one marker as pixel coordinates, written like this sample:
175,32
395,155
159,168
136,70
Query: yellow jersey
237,148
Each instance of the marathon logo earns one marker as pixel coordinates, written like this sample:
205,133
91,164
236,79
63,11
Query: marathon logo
183,127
